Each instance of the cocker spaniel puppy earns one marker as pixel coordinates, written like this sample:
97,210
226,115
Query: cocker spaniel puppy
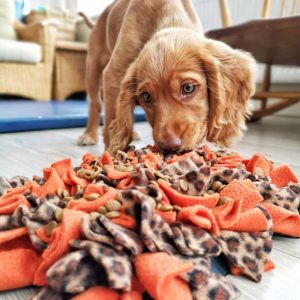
153,53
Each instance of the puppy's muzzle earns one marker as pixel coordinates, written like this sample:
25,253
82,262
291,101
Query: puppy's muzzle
171,144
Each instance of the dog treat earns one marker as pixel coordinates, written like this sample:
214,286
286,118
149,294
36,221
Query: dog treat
145,224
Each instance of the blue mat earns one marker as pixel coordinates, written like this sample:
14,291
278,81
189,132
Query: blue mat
21,115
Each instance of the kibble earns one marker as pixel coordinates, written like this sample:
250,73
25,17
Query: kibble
101,210
50,227
58,215
113,214
210,192
176,208
259,172
183,185
113,205
224,200
216,186
160,175
166,208
92,196
67,199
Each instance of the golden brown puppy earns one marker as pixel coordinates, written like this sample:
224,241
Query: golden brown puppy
153,53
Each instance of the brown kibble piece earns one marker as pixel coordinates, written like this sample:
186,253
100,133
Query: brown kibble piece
101,210
216,186
210,192
92,196
183,185
176,208
259,172
113,214
50,227
224,200
166,207
67,199
58,215
112,205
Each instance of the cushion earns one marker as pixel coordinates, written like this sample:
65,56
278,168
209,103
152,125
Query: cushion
7,17
17,51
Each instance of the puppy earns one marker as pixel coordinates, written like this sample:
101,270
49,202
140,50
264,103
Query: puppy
153,53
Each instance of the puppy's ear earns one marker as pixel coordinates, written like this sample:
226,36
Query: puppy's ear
231,82
121,128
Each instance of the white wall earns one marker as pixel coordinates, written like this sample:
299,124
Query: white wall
90,7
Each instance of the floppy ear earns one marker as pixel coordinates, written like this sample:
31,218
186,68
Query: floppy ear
121,128
230,80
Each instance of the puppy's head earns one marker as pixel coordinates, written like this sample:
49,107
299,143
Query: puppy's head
191,89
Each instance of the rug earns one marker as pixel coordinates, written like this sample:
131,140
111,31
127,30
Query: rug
21,115
145,225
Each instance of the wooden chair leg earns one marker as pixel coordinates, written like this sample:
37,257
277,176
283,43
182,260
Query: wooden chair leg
266,85
265,88
271,109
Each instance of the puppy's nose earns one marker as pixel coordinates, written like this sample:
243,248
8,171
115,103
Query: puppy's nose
171,144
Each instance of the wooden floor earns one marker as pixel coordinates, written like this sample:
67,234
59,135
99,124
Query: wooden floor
277,137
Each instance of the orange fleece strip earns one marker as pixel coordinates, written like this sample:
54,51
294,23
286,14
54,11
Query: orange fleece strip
259,161
165,199
89,206
126,221
14,197
282,175
98,292
230,161
53,182
183,200
136,285
69,229
152,159
125,183
106,159
209,154
9,235
40,232
168,216
87,158
132,295
67,173
227,214
200,216
252,220
159,274
284,221
112,173
9,204
239,189
28,186
18,263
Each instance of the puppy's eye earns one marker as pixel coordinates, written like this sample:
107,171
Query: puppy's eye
146,97
188,88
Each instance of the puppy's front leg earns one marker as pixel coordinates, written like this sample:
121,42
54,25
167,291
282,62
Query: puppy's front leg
93,82
111,90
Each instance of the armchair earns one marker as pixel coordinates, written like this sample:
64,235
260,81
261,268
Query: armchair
31,80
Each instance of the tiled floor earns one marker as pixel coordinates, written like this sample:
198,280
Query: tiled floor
277,137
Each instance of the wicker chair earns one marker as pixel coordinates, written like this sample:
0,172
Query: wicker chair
69,73
31,80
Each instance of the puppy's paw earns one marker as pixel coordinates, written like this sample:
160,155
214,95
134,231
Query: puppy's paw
136,136
87,139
